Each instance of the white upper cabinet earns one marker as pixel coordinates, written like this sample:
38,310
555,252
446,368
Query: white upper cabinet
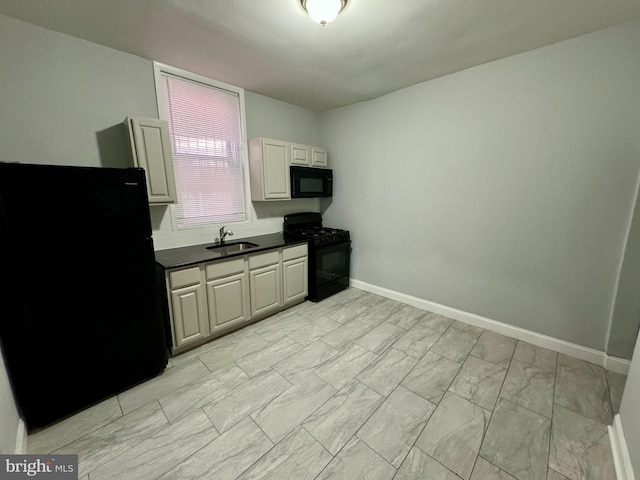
151,149
269,162
306,155
269,169
300,154
319,157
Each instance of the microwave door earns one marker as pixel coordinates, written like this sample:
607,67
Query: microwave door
311,182
312,186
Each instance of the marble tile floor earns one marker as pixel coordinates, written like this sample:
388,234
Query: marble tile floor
354,387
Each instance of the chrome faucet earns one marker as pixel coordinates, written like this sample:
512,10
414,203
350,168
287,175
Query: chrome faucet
224,233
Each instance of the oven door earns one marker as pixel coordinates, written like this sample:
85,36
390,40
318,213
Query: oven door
329,270
307,182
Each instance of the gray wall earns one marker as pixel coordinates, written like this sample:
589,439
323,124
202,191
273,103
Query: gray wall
630,413
64,99
271,118
505,190
625,321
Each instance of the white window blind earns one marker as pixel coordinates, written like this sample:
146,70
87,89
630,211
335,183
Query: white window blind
206,139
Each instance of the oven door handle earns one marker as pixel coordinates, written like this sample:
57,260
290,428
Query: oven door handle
333,245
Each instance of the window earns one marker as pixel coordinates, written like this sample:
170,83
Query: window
207,142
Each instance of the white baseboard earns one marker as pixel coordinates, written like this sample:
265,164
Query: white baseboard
620,451
538,339
616,364
21,438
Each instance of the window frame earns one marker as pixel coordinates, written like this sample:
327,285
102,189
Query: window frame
158,69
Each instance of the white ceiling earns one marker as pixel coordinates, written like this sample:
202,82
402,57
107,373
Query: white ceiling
374,46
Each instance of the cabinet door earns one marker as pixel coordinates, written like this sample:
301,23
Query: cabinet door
152,152
265,286
189,320
228,301
275,169
318,157
300,154
294,280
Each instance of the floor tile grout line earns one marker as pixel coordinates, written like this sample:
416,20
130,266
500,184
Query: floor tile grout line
217,399
429,349
572,369
266,347
319,442
135,444
606,379
293,385
228,366
367,419
525,408
419,360
211,343
338,357
352,340
421,430
491,463
355,435
434,459
81,436
109,423
385,399
185,458
484,433
581,415
505,375
357,430
553,407
273,445
466,399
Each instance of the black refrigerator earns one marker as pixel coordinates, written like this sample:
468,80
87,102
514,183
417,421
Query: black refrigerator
80,312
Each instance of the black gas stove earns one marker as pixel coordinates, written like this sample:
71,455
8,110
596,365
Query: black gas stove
321,235
329,253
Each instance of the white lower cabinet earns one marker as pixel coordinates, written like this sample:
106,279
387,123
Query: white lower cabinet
214,298
294,274
265,280
227,294
187,307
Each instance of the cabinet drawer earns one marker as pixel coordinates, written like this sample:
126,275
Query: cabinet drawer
294,252
222,269
263,259
182,278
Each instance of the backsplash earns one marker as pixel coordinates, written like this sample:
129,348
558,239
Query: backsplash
266,217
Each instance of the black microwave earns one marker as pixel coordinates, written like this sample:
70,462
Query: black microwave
308,182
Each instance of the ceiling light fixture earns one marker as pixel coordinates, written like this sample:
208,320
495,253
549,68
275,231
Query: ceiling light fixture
323,11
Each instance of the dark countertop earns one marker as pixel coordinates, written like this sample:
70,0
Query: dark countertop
182,256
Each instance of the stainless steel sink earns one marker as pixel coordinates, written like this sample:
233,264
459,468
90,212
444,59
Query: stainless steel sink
231,247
